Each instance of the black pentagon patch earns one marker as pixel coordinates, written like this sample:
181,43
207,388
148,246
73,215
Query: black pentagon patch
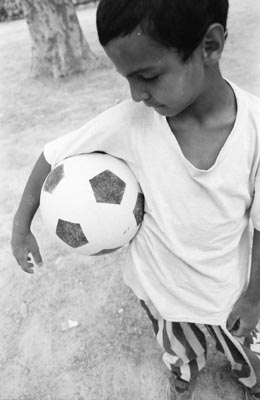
139,208
108,187
54,177
71,233
107,251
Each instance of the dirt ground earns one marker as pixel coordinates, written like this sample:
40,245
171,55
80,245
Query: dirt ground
111,354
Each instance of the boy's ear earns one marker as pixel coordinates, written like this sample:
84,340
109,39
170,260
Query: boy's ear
213,44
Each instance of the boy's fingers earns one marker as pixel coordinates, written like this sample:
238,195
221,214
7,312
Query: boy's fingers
239,333
37,257
24,261
21,260
29,270
232,322
242,330
26,266
27,253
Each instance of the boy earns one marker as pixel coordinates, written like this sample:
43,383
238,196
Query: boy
192,140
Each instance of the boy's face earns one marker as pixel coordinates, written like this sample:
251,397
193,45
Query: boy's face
157,75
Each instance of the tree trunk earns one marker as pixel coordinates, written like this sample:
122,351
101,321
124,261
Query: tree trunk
59,48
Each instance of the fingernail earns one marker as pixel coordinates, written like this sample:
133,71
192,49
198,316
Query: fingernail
40,264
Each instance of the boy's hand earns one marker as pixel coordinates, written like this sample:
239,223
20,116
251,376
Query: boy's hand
25,247
244,317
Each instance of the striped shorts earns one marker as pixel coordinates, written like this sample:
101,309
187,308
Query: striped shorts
185,349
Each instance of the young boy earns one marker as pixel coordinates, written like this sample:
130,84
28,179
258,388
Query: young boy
192,140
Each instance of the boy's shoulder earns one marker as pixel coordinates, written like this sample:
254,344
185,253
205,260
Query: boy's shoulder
249,100
253,101
248,117
127,112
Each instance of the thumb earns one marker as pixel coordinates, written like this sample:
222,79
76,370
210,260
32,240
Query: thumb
37,257
238,330
233,322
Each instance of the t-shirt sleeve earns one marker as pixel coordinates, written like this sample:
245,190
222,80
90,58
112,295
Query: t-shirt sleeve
255,207
254,106
108,132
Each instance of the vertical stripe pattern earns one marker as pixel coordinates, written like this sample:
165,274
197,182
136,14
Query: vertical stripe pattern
185,348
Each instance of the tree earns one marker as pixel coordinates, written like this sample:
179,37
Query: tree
59,48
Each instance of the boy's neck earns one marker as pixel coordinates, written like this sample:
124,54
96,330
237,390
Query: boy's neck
203,129
216,102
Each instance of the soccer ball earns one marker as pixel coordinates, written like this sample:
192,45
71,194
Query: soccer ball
92,203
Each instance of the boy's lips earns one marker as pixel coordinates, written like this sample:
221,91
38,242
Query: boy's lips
152,104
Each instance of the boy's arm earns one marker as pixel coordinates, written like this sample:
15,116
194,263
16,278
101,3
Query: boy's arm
246,311
23,242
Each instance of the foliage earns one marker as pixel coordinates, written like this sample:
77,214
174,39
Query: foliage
12,9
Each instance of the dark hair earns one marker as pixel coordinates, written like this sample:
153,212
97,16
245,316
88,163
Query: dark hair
180,24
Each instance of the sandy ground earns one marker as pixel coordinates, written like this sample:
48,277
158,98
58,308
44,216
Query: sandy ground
111,354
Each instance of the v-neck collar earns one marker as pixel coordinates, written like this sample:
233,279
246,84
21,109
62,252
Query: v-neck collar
223,149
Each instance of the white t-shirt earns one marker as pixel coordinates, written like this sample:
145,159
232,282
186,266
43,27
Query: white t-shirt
191,256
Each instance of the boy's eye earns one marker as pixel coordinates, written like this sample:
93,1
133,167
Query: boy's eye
149,78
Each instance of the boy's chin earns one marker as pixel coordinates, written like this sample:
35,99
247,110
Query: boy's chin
165,111
162,109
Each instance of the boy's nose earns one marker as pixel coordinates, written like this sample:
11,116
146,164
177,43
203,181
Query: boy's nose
138,92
